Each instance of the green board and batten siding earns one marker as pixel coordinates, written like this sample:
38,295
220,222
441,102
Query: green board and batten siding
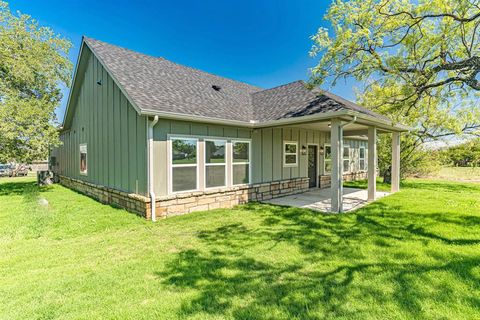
267,148
113,131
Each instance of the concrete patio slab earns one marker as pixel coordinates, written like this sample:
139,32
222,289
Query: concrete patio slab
320,199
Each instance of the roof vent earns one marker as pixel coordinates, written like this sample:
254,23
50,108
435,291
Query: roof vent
216,88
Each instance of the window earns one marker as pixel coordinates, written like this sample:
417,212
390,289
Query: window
240,162
215,164
346,159
83,159
289,154
327,159
361,159
184,164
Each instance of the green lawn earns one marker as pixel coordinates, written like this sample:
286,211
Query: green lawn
415,254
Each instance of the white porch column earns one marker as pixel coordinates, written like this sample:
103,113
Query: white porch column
336,144
372,163
395,162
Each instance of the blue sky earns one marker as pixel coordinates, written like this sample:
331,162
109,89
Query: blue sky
264,43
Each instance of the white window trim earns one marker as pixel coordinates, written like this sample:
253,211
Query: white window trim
285,154
83,173
344,159
171,165
249,162
325,145
213,164
364,159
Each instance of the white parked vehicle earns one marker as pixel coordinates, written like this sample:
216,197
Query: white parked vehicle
5,170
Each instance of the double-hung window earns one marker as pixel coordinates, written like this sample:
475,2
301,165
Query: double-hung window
290,154
361,158
240,162
184,164
215,163
346,159
327,159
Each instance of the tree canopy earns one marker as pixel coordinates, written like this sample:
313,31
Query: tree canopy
419,61
33,64
463,155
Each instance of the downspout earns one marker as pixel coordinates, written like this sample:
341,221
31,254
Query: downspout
151,191
350,122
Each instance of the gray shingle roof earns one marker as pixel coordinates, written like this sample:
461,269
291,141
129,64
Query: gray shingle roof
156,84
295,99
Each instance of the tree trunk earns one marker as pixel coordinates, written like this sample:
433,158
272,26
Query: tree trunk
387,175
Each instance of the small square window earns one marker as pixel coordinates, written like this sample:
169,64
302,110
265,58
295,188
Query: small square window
290,154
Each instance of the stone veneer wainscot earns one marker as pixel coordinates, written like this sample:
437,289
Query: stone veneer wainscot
183,203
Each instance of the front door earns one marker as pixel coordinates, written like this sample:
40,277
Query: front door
312,166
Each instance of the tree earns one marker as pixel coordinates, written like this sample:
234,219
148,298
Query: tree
466,154
33,63
419,62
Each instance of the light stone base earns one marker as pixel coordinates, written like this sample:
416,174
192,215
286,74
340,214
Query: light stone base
183,203
130,201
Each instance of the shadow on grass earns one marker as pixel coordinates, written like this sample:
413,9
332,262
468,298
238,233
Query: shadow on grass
17,188
28,189
332,272
432,185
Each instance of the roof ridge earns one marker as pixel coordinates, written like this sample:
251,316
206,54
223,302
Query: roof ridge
279,86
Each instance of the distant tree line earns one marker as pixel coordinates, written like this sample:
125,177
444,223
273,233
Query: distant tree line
463,155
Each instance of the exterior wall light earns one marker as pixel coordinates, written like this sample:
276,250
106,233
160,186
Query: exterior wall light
304,150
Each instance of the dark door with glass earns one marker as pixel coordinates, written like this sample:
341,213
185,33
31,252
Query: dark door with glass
312,166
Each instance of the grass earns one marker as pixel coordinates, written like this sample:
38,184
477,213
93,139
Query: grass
459,173
414,254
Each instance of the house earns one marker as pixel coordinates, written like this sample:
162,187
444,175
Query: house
161,139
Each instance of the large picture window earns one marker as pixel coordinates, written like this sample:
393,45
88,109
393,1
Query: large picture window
215,163
240,162
327,159
361,159
346,159
290,154
184,164
83,159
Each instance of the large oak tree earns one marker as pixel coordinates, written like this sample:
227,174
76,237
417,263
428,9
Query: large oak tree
418,61
33,64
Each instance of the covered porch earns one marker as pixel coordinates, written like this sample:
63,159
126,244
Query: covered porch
333,197
321,200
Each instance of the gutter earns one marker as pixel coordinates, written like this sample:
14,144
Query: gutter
151,191
383,124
